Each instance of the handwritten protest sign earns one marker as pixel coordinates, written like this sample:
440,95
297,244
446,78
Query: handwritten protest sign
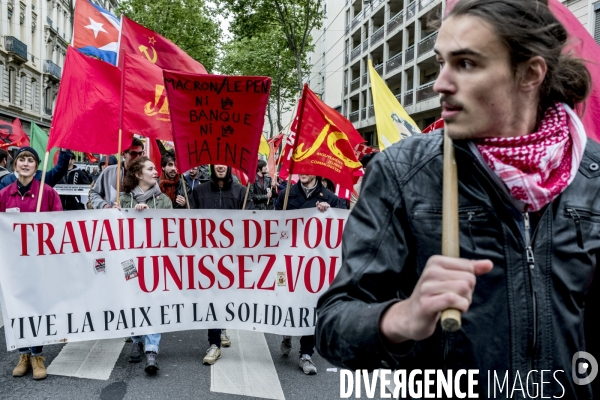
217,119
110,274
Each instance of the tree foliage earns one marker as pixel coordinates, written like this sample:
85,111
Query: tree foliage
190,24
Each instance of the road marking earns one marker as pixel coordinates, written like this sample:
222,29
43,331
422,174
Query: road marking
91,360
246,368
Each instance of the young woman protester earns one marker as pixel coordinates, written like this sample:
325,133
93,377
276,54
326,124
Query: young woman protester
22,196
140,185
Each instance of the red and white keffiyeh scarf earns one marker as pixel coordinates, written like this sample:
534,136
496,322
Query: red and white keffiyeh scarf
538,167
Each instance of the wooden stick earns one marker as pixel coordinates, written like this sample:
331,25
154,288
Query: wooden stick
185,191
287,191
41,193
246,196
119,169
451,318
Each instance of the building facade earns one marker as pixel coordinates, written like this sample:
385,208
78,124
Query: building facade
588,13
34,35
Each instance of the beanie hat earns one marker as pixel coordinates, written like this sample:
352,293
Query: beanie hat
27,149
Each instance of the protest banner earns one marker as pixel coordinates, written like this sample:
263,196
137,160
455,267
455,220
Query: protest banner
72,190
110,274
217,119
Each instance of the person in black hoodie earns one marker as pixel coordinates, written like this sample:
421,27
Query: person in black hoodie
220,193
309,192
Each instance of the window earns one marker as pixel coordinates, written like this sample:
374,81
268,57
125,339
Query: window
597,23
1,81
48,100
22,91
33,94
11,85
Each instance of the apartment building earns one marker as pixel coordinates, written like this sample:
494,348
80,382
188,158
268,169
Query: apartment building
34,35
398,36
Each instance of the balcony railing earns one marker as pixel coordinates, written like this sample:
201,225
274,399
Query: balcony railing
47,110
393,63
379,69
424,3
354,116
347,29
355,52
52,69
399,98
371,112
411,10
426,92
355,85
15,46
410,54
376,4
408,98
377,35
363,113
427,44
365,44
364,79
395,22
357,20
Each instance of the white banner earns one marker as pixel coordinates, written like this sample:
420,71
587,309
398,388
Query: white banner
72,190
99,274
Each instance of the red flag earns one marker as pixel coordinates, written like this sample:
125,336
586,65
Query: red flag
155,155
12,135
87,108
362,149
271,160
91,158
242,177
145,105
139,40
325,142
436,125
217,119
585,47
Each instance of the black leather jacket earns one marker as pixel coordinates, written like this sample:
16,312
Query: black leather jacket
258,193
521,319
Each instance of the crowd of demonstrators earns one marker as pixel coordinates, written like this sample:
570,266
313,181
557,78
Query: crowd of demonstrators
53,176
308,192
220,193
526,282
196,176
75,176
365,160
3,163
141,192
104,193
263,188
22,196
329,185
171,184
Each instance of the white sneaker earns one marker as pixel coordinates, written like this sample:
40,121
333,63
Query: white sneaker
225,340
212,355
307,365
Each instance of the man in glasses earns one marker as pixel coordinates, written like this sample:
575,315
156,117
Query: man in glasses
104,192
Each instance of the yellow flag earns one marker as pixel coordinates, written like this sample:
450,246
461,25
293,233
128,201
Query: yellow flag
393,123
264,149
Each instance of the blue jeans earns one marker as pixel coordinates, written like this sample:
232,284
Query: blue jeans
34,351
214,337
151,342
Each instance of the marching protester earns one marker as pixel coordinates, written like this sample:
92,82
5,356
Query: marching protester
220,193
170,182
308,192
329,185
53,176
262,189
112,160
528,187
95,174
104,193
193,178
365,160
3,163
141,192
75,176
22,196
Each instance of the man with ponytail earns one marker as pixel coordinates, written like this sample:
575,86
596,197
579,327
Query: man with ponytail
529,219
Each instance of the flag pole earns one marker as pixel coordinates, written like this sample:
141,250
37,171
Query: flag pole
451,318
287,190
119,168
187,201
246,196
41,193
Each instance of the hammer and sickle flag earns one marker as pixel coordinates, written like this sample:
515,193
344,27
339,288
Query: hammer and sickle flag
325,142
144,100
158,50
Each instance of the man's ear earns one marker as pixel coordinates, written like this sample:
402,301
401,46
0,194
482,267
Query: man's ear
531,74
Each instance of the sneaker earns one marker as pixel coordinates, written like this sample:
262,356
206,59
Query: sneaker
151,363
212,355
23,365
307,365
39,369
137,352
286,346
225,340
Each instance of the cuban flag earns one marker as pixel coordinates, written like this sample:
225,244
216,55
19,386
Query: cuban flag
96,32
